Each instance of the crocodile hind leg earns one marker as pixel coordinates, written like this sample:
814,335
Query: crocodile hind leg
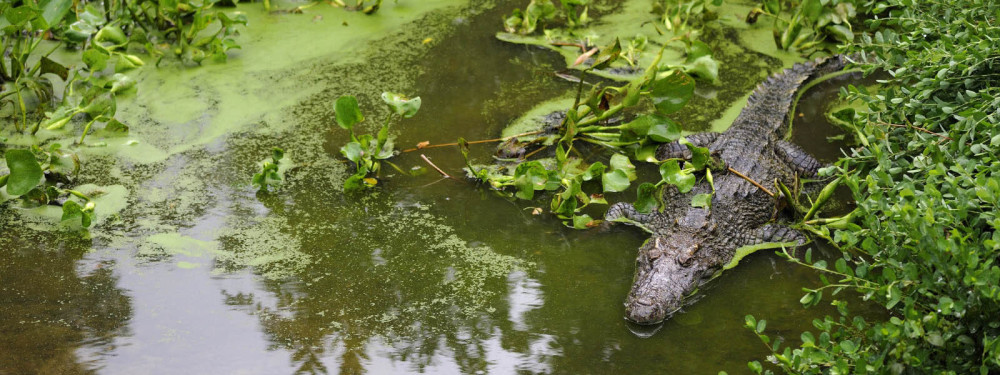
675,150
798,159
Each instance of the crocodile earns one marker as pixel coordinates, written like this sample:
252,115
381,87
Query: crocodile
689,245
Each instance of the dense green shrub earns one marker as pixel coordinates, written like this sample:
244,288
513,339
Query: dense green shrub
926,178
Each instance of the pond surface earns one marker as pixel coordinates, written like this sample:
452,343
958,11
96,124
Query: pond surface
189,271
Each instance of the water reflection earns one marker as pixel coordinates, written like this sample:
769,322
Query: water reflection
59,310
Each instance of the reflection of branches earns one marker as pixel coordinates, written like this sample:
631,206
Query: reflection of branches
49,310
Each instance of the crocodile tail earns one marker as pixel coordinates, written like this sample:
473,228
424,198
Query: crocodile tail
770,102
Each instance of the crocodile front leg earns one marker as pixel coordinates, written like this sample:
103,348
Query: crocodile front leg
798,159
624,212
775,233
674,150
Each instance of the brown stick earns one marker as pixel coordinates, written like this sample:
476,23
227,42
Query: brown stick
751,181
474,142
915,128
435,167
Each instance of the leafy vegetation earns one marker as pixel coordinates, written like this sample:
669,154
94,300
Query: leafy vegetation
923,241
367,151
810,25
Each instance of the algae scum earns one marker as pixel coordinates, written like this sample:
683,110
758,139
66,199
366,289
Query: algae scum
188,270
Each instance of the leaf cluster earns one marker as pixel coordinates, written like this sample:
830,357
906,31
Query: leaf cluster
807,25
367,151
538,13
37,176
923,242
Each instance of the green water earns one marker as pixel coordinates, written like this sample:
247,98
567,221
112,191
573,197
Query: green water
189,271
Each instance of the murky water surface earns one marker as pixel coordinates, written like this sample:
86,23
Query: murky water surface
189,271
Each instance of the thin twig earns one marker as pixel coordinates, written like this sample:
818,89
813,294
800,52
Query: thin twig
475,142
751,181
435,167
915,128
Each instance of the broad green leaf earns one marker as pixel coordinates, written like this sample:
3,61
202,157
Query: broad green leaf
355,182
111,37
672,174
95,59
646,198
120,82
25,173
593,171
665,131
614,181
703,200
672,92
72,211
353,152
347,112
401,105
49,66
53,11
528,177
621,162
608,55
582,221
700,156
21,15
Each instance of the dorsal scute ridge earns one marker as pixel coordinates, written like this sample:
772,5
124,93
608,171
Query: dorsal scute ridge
773,97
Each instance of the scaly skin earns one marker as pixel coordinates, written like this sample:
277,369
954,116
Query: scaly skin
689,244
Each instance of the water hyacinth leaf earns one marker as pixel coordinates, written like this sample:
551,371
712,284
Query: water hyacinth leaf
18,16
352,151
347,112
53,11
51,67
699,155
25,173
647,153
608,55
120,82
73,211
593,171
646,198
96,60
111,37
621,162
401,105
116,126
673,175
672,92
665,131
615,181
703,200
355,182
529,177
582,221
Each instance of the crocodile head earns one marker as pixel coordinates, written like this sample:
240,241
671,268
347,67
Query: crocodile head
667,270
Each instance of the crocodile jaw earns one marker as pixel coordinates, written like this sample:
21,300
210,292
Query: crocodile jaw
667,271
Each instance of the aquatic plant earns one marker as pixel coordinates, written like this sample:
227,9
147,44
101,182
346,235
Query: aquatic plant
272,171
808,24
29,180
365,150
923,244
595,120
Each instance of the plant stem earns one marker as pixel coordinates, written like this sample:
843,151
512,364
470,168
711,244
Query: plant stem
86,129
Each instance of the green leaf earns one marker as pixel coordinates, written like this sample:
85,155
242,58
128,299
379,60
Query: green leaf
672,92
111,37
666,131
593,171
703,200
700,156
614,181
672,174
621,162
21,15
49,66
401,105
53,11
95,59
355,182
353,152
347,112
25,173
608,55
528,177
582,221
646,198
